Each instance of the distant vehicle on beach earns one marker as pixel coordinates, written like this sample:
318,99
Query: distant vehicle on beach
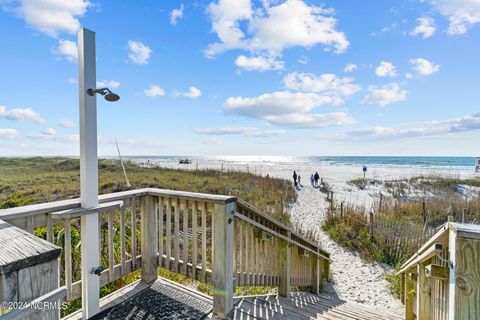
185,161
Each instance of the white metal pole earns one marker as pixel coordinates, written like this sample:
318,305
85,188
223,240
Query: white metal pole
90,249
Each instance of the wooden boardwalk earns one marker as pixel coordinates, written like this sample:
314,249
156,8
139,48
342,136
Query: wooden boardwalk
304,306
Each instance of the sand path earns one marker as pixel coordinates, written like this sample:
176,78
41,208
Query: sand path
353,278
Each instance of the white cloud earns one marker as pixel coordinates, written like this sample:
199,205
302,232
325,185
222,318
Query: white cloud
327,83
176,14
53,16
139,53
108,84
49,132
20,114
270,29
386,69
420,129
154,91
9,133
350,67
284,108
462,14
73,81
260,63
68,49
244,131
424,67
66,123
384,95
426,28
297,120
193,93
277,103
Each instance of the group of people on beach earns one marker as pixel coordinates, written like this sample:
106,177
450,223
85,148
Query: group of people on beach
313,180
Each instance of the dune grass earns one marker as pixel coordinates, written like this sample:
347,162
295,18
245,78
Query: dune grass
36,180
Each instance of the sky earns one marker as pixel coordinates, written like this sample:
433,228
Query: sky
244,77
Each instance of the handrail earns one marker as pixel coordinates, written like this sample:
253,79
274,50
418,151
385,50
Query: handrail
42,208
77,212
258,225
429,253
34,306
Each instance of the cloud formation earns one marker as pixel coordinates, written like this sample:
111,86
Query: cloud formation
461,14
108,84
18,114
259,63
154,91
425,28
138,52
423,67
244,131
176,14
9,133
193,93
384,95
350,67
67,49
271,28
386,69
419,129
53,16
49,132
327,83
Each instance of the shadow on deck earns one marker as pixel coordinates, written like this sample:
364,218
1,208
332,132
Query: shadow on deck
167,300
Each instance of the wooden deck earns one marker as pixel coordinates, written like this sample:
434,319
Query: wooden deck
304,306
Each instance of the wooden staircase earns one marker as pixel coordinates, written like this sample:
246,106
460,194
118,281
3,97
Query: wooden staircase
304,306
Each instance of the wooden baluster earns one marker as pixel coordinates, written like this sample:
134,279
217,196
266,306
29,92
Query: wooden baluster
204,241
160,207
241,257
30,224
184,207
50,237
111,262
169,234
253,256
176,234
123,248
133,238
68,257
194,239
247,254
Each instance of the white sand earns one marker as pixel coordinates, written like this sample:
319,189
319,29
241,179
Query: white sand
353,278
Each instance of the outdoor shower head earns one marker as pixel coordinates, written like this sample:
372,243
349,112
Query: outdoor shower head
109,95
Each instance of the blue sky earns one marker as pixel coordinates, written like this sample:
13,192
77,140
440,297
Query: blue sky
240,77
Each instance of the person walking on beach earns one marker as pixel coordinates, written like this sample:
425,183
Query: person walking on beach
315,178
295,178
299,183
311,180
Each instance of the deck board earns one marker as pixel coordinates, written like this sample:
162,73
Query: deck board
304,306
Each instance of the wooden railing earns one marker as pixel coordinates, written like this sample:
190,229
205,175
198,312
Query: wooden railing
216,239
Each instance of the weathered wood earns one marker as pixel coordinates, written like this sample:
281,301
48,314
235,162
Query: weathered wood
467,297
123,247
176,235
408,297
161,208
424,291
223,259
284,267
184,210
204,241
68,256
111,252
169,232
50,228
133,229
194,238
436,272
149,240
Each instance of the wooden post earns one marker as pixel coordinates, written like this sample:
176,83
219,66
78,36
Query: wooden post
380,202
223,258
285,266
424,210
370,222
452,275
464,212
149,240
317,274
341,210
424,299
408,299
